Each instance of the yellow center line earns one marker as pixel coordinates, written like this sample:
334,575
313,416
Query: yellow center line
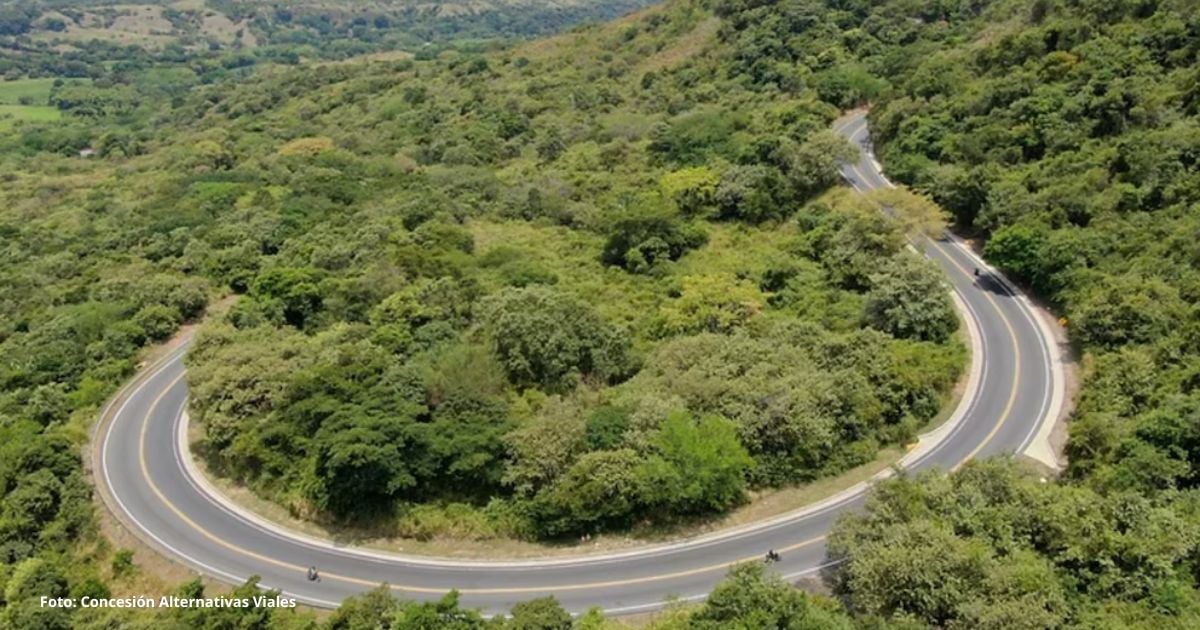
559,587
1012,335
415,589
175,509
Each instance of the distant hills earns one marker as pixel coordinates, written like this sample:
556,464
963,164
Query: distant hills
337,28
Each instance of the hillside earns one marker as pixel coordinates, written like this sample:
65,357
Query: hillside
324,29
509,265
485,271
607,279
85,39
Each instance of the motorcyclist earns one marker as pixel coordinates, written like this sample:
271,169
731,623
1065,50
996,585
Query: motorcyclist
313,576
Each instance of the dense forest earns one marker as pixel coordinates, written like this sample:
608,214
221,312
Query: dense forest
1062,133
600,277
515,290
1071,145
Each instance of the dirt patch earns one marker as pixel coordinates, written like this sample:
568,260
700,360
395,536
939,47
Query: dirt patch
1072,383
248,40
153,572
218,27
141,20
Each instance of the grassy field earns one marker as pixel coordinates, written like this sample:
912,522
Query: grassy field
35,90
27,100
11,114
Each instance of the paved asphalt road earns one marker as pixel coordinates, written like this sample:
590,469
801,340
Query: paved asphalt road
145,482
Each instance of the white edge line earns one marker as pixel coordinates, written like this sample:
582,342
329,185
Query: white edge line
829,503
1054,391
196,564
932,440
925,447
624,610
214,495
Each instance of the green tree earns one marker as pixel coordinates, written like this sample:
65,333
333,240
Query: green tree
693,190
605,428
544,613
159,321
718,302
221,361
750,598
252,616
359,464
917,214
32,579
708,463
909,299
551,146
1126,309
753,193
601,489
994,545
847,85
812,166
443,614
849,237
297,291
693,137
1017,250
368,611
48,404
545,447
915,569
549,339
638,241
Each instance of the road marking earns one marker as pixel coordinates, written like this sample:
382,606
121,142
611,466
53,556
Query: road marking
214,498
413,589
973,322
1012,393
140,382
145,468
491,591
1012,335
623,610
515,590
1050,382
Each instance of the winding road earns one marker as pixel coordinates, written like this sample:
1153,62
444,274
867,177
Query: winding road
147,479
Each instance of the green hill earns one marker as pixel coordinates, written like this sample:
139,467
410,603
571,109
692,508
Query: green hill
601,281
529,244
320,27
